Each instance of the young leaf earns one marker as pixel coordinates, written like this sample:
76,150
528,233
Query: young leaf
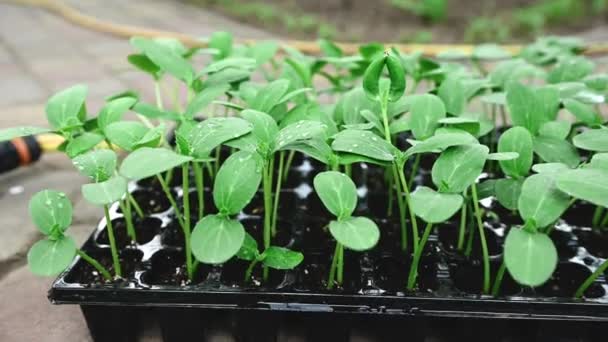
265,128
555,129
232,62
434,207
466,124
583,112
50,210
549,167
204,98
507,192
99,165
16,132
356,233
51,257
298,132
249,249
263,52
143,63
105,193
530,257
209,134
65,109
337,192
371,78
363,143
592,140
221,41
599,161
570,70
114,110
82,144
147,162
503,156
553,150
237,181
440,142
525,108
126,134
588,184
215,239
166,58
452,94
153,112
541,201
281,258
549,101
458,167
425,112
516,139
269,96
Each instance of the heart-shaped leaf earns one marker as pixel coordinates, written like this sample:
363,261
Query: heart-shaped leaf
147,162
592,140
541,201
105,193
458,167
363,143
553,150
51,257
16,132
337,192
516,139
356,233
588,184
51,210
425,112
281,258
530,257
237,181
99,165
65,109
216,239
82,144
434,207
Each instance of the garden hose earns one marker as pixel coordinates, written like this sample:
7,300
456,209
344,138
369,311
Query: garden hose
310,47
19,152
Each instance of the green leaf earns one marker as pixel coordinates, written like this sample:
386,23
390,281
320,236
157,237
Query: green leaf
530,257
541,201
466,124
570,70
114,110
356,233
458,167
298,132
229,75
265,128
599,161
425,112
516,139
65,109
249,249
204,98
490,51
549,101
209,134
237,182
549,167
592,140
363,143
553,150
440,142
507,192
50,211
583,112
337,192
525,108
165,58
588,184
147,162
152,112
99,165
216,239
82,143
143,63
329,48
556,129
281,258
486,189
503,156
16,132
452,93
222,41
105,193
126,134
434,207
263,52
51,257
270,95
232,62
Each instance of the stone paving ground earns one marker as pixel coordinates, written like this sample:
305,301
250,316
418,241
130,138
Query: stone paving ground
40,54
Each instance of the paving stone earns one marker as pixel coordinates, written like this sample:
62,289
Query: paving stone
20,88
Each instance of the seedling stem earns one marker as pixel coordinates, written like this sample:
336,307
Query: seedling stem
113,249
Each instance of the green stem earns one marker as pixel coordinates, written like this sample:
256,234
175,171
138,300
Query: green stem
200,188
604,220
482,238
597,216
340,265
348,169
391,195
415,168
126,209
413,274
135,206
463,223
250,270
157,93
408,202
167,191
277,194
186,226
113,249
288,164
267,210
498,280
332,268
593,277
99,267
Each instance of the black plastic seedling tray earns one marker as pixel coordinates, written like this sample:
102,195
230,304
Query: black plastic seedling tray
372,300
